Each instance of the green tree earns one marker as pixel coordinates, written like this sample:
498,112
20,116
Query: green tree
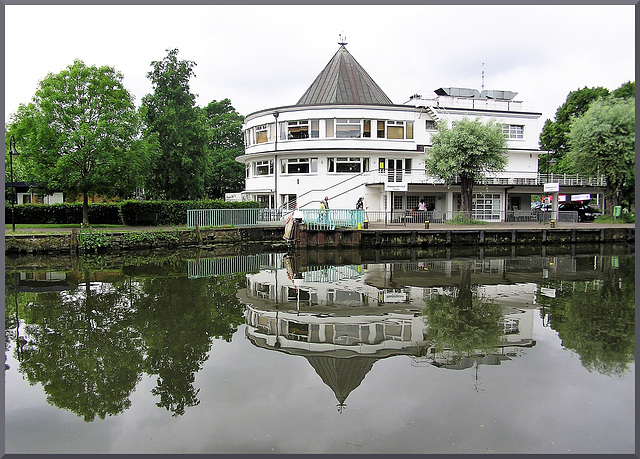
171,113
469,150
554,135
626,90
225,143
80,134
602,141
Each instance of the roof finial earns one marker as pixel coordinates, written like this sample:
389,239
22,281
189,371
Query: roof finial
343,40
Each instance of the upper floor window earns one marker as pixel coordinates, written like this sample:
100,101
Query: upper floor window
431,125
261,134
399,129
513,131
298,129
348,165
348,128
299,165
263,168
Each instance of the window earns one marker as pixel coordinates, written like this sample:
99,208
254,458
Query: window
513,131
407,166
247,169
348,128
298,130
366,132
299,165
413,202
380,130
397,202
263,168
261,133
409,129
395,130
315,129
431,125
348,165
329,130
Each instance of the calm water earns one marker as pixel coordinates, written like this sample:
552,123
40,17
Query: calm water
330,352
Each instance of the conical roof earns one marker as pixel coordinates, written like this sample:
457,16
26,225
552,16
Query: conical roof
344,81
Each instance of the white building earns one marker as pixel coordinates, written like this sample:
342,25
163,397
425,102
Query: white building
346,139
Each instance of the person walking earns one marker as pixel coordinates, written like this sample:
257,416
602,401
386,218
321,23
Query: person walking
360,204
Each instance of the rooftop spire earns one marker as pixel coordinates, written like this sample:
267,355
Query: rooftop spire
343,40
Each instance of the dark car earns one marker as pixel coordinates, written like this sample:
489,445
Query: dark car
585,213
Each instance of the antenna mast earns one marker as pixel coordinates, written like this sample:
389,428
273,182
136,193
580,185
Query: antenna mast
483,76
343,40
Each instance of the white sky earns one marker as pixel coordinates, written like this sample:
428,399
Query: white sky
267,56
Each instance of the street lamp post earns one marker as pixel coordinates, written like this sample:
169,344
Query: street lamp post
275,164
12,152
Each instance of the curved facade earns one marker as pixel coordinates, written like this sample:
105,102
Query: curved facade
345,139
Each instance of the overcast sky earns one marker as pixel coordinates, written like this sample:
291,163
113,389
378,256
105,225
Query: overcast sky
266,56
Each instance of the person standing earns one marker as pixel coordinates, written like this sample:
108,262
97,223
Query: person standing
326,202
360,204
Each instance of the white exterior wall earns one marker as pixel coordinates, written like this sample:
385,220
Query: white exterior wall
344,189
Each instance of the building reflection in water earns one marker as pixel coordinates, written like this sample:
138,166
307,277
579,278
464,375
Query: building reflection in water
343,319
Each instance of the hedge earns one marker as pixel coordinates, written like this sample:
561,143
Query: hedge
131,213
137,213
100,213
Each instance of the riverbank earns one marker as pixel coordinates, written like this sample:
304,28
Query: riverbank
97,240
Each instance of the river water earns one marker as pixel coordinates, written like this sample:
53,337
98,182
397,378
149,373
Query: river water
527,350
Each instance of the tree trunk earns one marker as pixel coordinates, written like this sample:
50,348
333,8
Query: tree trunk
466,193
85,209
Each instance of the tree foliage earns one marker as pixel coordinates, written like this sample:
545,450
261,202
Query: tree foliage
602,141
80,134
225,143
174,119
555,134
470,150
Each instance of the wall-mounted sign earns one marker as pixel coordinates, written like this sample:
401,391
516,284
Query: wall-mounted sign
581,197
551,187
234,197
402,186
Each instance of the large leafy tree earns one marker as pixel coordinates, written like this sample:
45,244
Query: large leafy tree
555,134
602,141
225,143
80,134
171,113
470,149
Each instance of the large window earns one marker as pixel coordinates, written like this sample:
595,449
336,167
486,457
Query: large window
399,130
263,168
299,165
261,134
348,128
348,165
513,131
298,129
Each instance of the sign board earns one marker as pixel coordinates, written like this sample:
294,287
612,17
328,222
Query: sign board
233,197
562,198
402,186
581,197
551,187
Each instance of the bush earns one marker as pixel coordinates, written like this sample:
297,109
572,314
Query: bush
623,218
462,219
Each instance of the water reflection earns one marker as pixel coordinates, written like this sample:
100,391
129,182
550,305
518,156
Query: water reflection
89,330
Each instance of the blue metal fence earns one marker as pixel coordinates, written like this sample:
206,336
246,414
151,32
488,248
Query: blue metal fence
234,217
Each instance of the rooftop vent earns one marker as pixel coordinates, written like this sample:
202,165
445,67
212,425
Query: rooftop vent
497,94
457,92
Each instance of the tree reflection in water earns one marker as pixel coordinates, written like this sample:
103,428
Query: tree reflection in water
88,345
597,319
464,323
